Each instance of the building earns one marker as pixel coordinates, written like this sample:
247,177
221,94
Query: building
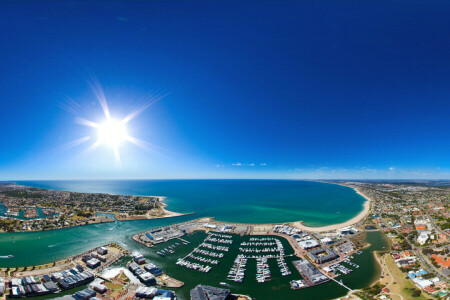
422,283
210,226
139,258
2,286
322,255
93,263
422,239
310,272
101,258
99,288
153,269
346,231
146,292
85,294
102,251
403,262
51,286
204,292
326,241
147,278
308,244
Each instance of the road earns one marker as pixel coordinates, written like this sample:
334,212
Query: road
427,266
435,226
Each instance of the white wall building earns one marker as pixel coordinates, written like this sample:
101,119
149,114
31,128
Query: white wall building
422,239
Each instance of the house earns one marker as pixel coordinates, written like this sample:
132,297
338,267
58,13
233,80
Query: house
421,227
445,263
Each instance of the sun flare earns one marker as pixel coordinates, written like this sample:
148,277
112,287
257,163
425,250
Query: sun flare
112,132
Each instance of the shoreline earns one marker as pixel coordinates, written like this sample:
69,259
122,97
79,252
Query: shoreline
109,220
356,219
298,224
165,213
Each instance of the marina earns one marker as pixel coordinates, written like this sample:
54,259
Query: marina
283,266
246,282
210,238
262,270
122,231
26,213
237,271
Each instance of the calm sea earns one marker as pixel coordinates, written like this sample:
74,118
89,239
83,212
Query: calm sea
230,200
244,201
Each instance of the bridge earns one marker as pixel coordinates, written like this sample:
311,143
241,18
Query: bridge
340,283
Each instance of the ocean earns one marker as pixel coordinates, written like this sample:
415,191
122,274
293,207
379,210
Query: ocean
251,201
242,201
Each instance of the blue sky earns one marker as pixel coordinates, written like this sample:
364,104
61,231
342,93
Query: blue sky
249,89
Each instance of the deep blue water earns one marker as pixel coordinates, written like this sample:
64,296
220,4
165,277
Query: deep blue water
245,201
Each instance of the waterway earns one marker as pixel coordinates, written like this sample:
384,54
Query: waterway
44,247
33,248
278,287
21,215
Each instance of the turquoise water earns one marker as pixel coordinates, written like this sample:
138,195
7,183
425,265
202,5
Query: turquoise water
40,247
244,201
254,201
44,247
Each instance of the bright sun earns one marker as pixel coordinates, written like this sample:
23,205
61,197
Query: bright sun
112,132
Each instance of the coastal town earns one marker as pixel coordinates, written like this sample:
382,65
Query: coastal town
415,217
32,209
412,217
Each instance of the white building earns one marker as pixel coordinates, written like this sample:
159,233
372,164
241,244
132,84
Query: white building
347,231
326,241
308,244
210,226
422,239
422,283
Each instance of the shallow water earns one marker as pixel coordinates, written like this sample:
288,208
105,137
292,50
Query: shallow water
243,201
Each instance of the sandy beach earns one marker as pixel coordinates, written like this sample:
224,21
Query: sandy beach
350,222
159,213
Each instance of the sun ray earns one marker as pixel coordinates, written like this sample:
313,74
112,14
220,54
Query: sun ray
91,148
116,155
75,142
143,107
149,147
112,132
98,91
85,122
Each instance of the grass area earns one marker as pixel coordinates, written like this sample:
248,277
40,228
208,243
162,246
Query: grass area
362,296
112,286
124,277
77,217
400,285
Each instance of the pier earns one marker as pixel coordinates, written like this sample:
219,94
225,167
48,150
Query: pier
340,283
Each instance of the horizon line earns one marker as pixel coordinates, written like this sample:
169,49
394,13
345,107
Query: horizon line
290,179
